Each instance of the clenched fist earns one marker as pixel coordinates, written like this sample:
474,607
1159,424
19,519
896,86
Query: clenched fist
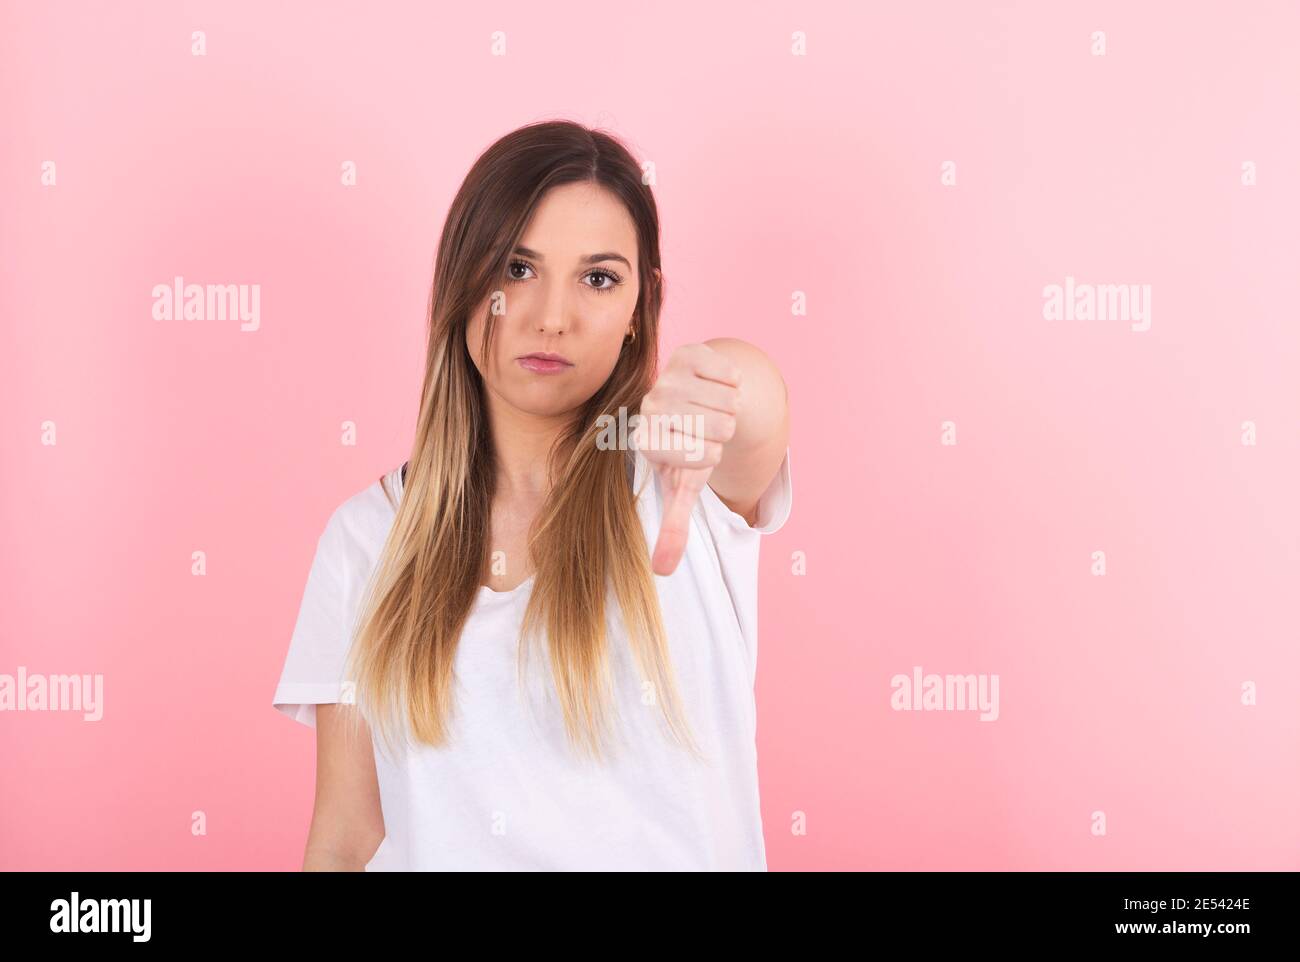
686,418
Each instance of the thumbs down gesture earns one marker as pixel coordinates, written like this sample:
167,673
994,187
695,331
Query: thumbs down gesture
686,419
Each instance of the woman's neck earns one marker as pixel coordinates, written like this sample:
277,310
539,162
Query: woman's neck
522,443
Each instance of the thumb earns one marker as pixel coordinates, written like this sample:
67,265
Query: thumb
682,490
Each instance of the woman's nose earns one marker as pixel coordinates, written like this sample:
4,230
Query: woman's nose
553,316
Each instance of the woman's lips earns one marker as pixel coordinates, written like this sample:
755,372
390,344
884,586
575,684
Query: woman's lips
544,363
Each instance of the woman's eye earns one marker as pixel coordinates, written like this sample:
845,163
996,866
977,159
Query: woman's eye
510,271
607,281
599,280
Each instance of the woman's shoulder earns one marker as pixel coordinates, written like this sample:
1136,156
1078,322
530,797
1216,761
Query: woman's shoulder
360,522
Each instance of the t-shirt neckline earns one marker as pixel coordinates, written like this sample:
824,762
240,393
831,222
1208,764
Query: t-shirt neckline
484,591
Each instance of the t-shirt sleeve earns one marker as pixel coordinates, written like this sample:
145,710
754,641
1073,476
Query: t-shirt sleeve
736,549
313,667
773,505
725,541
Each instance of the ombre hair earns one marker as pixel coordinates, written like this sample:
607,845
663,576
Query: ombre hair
587,537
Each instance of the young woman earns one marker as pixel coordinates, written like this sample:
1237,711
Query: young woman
501,672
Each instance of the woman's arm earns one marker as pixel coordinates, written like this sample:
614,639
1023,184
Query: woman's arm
723,419
347,823
751,458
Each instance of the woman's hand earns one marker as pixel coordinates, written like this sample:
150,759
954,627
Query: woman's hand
686,419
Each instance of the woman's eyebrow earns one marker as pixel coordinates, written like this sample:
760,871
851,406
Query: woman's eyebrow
589,259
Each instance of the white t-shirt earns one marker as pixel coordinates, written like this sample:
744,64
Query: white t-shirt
508,793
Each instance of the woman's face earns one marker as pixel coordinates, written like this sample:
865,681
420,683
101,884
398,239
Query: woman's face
569,291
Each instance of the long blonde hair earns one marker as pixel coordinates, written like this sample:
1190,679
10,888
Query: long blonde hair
587,537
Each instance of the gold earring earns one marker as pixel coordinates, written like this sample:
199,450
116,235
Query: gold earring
630,337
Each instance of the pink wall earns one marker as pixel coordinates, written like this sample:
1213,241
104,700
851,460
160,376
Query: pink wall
777,173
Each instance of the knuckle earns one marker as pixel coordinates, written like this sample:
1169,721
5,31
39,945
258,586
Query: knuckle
727,427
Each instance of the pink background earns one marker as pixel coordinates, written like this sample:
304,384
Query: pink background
776,174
